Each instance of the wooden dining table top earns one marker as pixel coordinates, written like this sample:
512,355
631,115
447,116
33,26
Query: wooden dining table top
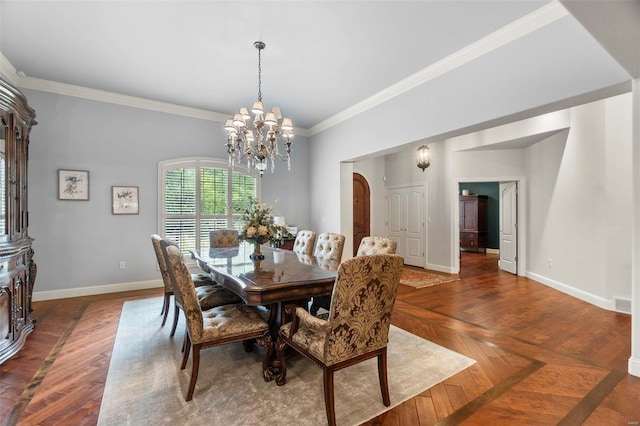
281,276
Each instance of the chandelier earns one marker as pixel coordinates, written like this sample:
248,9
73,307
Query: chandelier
260,145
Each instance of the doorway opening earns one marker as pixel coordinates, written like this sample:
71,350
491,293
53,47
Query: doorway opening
487,220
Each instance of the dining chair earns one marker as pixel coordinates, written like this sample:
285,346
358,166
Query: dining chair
357,327
305,242
329,247
221,238
215,326
209,293
376,245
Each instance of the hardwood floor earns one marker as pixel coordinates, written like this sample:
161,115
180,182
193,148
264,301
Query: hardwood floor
542,357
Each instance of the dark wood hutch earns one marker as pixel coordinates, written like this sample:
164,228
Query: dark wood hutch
473,222
17,269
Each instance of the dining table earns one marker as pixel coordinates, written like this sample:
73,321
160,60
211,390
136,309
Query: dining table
282,277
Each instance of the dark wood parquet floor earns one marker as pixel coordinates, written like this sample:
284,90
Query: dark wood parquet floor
543,358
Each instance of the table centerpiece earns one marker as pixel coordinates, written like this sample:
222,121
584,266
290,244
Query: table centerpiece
258,226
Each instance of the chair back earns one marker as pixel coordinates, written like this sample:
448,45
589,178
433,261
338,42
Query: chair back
305,242
184,290
221,238
329,247
166,279
376,245
361,305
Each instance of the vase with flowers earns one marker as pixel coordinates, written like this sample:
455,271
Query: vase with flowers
258,226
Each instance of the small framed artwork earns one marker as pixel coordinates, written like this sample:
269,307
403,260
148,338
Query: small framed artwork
73,185
124,199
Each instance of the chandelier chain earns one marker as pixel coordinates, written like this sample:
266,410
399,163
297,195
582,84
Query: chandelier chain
259,74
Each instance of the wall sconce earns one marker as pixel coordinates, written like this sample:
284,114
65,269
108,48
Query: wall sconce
423,158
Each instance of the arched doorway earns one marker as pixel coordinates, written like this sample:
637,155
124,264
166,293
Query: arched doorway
361,210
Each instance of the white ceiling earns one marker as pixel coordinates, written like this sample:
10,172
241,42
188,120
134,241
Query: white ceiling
322,57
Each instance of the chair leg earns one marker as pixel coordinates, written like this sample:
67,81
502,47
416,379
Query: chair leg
165,308
175,319
313,310
194,371
382,377
327,375
187,348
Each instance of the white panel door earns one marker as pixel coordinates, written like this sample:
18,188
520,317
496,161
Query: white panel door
395,201
509,227
407,217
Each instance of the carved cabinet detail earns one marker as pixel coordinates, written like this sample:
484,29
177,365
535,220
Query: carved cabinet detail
17,269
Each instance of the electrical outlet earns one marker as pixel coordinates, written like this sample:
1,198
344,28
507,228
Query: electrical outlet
122,264
549,262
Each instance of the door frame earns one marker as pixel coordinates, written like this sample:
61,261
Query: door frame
522,222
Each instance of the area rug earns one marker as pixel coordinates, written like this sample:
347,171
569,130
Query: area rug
419,278
146,386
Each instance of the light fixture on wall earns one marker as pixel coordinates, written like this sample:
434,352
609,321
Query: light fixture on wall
262,146
423,157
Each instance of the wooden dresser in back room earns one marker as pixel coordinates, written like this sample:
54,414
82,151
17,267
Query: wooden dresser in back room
473,222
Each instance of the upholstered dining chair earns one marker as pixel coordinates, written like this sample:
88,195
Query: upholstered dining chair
220,238
215,326
376,245
357,328
329,246
305,242
209,294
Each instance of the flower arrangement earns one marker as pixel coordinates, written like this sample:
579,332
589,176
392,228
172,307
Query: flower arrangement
258,226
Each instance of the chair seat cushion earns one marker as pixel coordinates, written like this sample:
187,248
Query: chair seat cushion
312,340
201,279
231,320
213,295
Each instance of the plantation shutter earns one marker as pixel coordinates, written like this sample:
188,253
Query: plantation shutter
180,207
214,204
198,197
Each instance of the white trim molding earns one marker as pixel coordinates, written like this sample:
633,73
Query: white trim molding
509,33
535,20
572,291
100,289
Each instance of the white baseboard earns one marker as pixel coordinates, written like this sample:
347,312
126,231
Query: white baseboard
440,268
100,289
634,367
609,305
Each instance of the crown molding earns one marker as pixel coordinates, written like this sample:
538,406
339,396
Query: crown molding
8,71
125,100
505,35
535,20
117,98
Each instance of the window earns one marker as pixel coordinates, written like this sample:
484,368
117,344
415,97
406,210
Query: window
198,197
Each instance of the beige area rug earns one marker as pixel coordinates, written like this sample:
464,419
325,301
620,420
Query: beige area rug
145,385
419,278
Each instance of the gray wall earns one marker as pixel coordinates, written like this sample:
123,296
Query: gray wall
80,243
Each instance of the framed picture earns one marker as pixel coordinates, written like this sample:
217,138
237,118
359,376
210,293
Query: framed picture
73,185
124,199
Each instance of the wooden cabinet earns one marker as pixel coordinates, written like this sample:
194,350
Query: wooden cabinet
17,269
473,222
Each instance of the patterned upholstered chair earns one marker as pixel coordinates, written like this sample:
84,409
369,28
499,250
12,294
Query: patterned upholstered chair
209,294
223,238
215,326
376,245
305,242
357,327
328,247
